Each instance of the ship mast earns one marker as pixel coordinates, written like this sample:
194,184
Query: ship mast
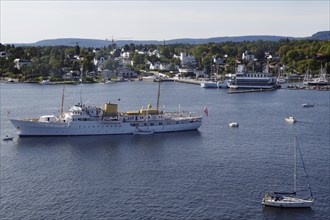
295,165
62,103
158,95
81,86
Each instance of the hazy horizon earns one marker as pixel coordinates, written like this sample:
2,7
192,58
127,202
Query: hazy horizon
159,20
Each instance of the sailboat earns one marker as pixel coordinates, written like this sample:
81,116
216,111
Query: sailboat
289,199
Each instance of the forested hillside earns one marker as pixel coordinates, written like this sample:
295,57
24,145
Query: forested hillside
53,61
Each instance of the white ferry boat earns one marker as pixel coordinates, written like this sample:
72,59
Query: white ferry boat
246,80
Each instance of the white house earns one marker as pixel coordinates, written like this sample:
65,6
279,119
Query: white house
126,61
154,66
72,75
144,52
154,53
186,70
125,72
96,50
247,55
164,67
217,60
20,62
99,63
3,54
200,73
124,54
187,60
106,74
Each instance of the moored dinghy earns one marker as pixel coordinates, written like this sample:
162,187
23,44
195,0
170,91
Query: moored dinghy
290,119
7,138
306,105
233,124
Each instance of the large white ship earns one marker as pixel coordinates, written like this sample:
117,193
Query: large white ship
92,120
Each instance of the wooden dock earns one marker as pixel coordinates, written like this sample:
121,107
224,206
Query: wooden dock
190,81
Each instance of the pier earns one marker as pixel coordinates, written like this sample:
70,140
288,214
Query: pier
233,91
190,81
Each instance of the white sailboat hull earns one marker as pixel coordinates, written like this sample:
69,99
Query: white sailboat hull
288,202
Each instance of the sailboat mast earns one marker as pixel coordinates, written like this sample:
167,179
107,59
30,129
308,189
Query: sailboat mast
306,176
295,165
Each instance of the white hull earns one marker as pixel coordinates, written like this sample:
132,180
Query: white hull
233,124
288,202
31,128
241,86
290,120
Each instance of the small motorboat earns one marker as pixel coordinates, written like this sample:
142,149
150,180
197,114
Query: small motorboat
142,132
233,124
7,138
290,119
306,105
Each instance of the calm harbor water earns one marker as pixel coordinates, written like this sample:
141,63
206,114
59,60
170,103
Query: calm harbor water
216,172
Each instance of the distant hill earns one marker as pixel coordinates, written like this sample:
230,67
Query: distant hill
322,35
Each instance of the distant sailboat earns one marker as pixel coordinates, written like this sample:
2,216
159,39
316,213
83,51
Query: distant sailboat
290,200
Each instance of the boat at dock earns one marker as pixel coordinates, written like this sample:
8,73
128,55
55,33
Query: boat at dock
252,80
321,80
213,84
209,84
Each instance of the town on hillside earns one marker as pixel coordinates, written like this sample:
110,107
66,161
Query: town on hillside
289,58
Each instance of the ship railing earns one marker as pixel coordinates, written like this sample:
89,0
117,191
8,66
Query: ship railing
180,114
31,119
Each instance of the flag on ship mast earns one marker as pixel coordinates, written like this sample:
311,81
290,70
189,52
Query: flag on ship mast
206,111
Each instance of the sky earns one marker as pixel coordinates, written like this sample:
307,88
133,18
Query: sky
27,21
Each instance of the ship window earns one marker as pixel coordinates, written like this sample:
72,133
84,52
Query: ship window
160,123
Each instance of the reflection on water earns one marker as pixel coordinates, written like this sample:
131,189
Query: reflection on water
287,213
157,139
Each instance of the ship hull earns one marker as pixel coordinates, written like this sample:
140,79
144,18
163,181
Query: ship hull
32,128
